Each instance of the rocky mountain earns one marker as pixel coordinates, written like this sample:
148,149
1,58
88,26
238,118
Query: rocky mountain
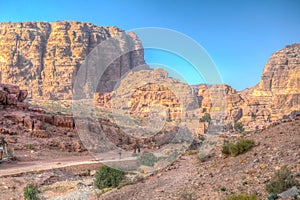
43,58
141,91
276,96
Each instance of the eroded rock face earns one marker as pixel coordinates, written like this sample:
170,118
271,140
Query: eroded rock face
43,58
21,124
277,95
149,91
281,74
11,95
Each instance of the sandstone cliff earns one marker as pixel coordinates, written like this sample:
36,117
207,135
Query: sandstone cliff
43,58
143,91
277,95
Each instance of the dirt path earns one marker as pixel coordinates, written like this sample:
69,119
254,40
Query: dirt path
14,168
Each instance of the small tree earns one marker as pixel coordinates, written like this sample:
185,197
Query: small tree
108,177
206,118
282,180
239,127
30,192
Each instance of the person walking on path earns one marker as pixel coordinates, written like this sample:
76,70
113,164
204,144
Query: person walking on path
138,147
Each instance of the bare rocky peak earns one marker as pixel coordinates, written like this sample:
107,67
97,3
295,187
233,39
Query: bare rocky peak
277,94
44,57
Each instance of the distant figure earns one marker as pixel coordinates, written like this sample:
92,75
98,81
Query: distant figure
134,149
139,148
3,144
120,155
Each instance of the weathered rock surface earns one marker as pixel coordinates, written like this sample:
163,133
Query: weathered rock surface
21,124
148,91
277,95
43,58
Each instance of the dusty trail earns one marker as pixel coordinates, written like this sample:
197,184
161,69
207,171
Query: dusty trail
14,168
20,167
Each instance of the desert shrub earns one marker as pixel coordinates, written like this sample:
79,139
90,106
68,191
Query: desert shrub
242,197
282,180
148,159
240,147
206,118
30,192
272,197
187,195
201,138
108,177
239,127
190,152
30,146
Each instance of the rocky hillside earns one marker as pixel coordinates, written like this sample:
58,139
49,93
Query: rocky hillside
276,96
219,176
44,57
141,91
28,128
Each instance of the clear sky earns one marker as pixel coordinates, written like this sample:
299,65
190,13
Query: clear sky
239,35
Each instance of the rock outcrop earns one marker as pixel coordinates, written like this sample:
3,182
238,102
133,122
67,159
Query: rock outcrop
20,123
43,58
11,95
150,91
277,95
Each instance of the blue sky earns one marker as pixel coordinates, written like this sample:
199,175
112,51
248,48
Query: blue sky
239,35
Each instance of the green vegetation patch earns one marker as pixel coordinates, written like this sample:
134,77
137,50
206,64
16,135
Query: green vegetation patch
108,177
282,180
240,147
30,192
242,197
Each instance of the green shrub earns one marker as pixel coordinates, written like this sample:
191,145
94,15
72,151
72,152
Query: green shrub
30,146
240,147
30,192
186,195
108,177
282,180
242,197
190,152
206,118
148,159
201,138
272,197
239,127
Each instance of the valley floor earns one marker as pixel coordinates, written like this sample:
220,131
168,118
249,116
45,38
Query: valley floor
188,178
